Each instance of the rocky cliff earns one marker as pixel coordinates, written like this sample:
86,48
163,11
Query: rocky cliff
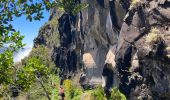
119,43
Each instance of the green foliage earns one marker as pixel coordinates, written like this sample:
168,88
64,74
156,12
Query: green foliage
70,6
52,36
27,75
67,84
10,43
51,84
72,92
117,95
99,93
6,68
43,54
54,86
4,92
95,94
53,22
23,78
11,40
76,93
11,9
39,65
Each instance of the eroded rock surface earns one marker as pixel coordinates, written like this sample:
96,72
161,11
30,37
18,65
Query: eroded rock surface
138,23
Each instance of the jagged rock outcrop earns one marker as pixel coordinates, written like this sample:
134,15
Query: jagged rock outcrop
48,33
68,55
109,41
87,40
138,24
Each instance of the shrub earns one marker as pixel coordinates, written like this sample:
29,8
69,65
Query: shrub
154,36
67,84
133,3
51,84
99,93
43,53
38,65
95,94
117,95
72,92
69,6
76,93
53,22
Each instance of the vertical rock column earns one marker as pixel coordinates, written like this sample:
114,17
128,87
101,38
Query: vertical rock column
68,55
133,28
98,36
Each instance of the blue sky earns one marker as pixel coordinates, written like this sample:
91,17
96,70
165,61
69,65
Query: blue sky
29,29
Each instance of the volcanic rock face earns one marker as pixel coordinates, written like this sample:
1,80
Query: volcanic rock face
89,39
100,25
138,24
109,40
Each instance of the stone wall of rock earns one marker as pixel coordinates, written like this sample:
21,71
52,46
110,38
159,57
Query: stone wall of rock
141,67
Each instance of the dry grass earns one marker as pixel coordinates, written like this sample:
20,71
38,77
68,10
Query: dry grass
133,3
153,37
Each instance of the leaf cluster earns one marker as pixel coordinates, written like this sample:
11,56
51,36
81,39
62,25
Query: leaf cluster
51,84
27,75
72,92
99,93
6,68
70,6
117,95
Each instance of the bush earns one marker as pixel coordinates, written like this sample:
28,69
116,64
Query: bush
154,36
43,53
76,93
99,93
117,95
72,92
35,68
133,3
51,84
67,84
95,94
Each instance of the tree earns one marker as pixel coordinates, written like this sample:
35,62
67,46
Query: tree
36,75
33,71
11,40
70,6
